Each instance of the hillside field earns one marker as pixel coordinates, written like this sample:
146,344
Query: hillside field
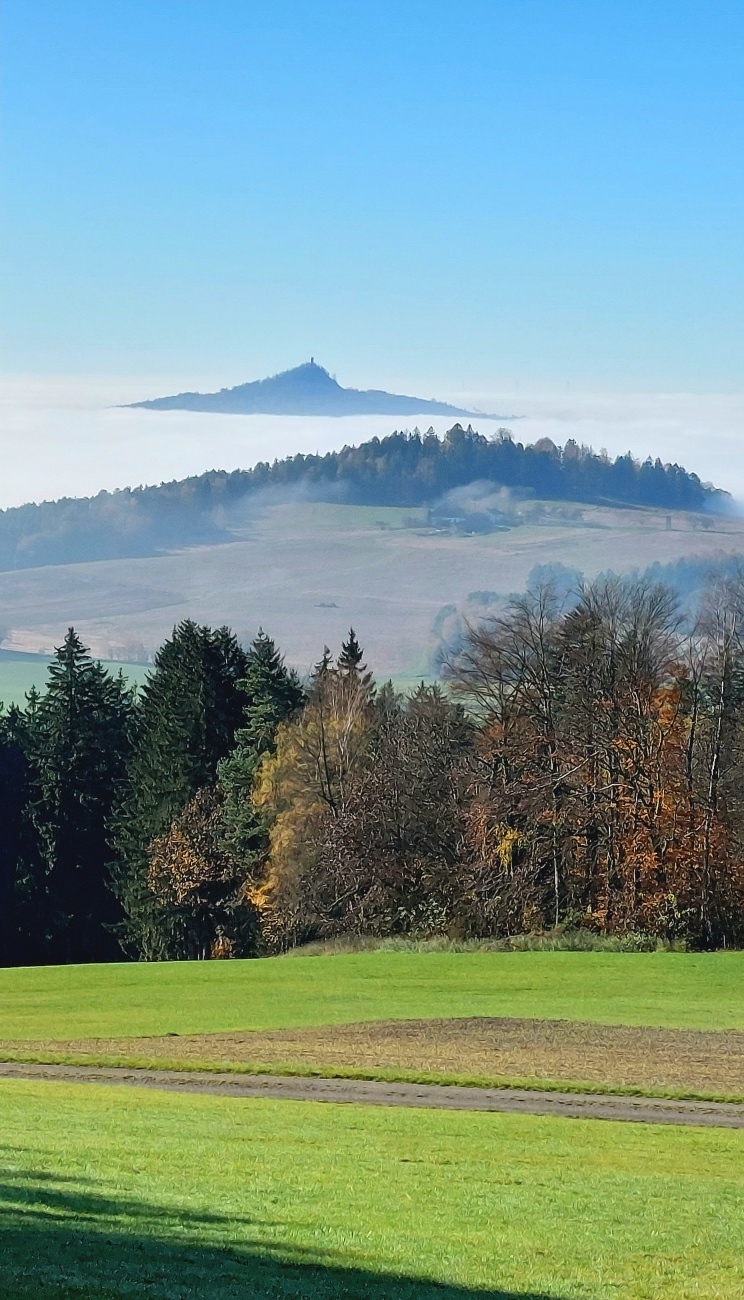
307,571
109,1192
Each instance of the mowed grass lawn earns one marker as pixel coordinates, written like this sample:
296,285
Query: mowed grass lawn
115,1192
699,991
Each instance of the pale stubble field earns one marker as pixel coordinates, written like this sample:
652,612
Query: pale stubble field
306,572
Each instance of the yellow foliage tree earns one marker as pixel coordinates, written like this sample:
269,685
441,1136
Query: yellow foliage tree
299,787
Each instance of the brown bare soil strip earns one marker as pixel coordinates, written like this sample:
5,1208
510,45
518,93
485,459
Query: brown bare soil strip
643,1110
611,1056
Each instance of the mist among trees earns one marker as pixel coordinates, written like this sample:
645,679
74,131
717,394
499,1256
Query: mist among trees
404,469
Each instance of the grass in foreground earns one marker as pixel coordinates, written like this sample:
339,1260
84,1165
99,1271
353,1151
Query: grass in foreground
106,1192
692,990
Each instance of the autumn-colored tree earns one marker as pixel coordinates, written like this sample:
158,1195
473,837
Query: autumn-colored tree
305,783
605,734
389,863
201,884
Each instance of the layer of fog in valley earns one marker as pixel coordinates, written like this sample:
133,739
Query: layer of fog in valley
70,439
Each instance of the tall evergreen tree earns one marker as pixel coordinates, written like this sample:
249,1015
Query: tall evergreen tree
321,670
79,734
273,694
350,666
22,937
351,656
190,709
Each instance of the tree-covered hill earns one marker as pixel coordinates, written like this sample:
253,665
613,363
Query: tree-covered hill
404,469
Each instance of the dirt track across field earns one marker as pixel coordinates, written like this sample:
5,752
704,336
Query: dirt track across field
644,1110
486,1048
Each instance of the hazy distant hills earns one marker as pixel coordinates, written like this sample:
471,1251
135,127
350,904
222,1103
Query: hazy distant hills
398,536
306,390
403,470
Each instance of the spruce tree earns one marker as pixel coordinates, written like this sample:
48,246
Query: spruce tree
351,656
320,671
349,663
22,934
79,733
189,711
273,693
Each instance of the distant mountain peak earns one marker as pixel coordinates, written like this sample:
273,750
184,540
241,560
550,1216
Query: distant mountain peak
308,389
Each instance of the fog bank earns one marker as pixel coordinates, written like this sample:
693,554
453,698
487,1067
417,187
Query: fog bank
64,439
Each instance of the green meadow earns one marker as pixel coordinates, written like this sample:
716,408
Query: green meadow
19,673
685,990
120,1192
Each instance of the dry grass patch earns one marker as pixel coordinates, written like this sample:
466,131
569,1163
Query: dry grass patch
676,1060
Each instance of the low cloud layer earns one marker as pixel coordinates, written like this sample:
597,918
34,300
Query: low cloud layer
63,440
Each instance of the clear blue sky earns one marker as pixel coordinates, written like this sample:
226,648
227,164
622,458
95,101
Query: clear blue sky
465,195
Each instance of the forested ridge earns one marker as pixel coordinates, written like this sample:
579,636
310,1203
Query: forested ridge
404,469
584,768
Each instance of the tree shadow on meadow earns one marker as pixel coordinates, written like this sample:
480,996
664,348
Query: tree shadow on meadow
64,1240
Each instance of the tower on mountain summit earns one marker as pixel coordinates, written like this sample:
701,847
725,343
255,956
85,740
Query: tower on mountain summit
309,389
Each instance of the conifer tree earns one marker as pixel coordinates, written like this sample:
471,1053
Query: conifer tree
190,709
349,662
351,656
22,938
79,733
321,670
273,693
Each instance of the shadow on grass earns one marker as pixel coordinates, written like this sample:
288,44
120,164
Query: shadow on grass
62,1241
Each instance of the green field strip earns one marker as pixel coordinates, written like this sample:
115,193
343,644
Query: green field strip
675,990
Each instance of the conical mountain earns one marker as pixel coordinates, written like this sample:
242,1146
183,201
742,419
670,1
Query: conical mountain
307,390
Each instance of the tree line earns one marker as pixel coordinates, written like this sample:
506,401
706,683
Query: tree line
404,469
584,766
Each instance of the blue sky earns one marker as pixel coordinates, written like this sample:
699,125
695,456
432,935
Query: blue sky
460,196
